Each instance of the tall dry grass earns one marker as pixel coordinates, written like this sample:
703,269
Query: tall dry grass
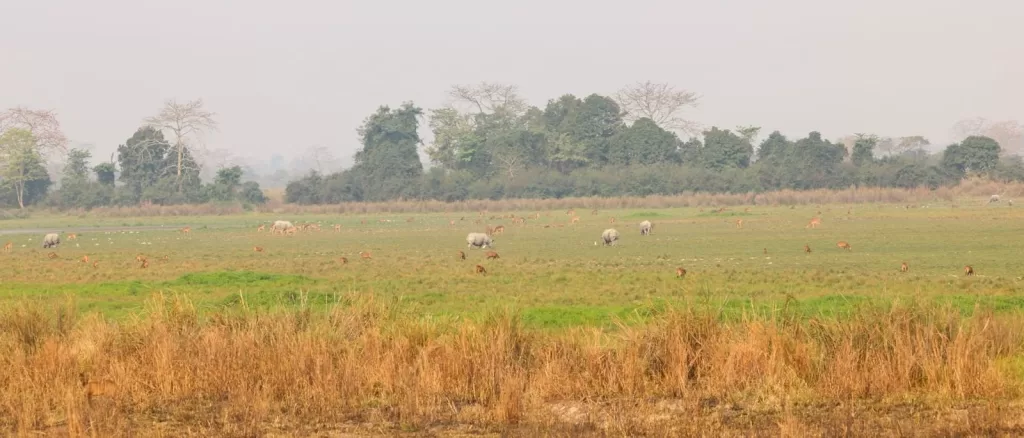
978,188
370,366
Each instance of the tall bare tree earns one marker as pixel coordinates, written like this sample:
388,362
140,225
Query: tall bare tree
489,97
659,102
1008,133
188,122
43,125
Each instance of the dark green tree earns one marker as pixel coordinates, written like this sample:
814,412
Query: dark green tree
143,160
389,161
105,173
724,149
643,142
976,154
864,149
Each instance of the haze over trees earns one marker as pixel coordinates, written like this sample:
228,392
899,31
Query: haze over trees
490,143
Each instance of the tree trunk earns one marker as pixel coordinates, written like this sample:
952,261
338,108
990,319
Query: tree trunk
19,189
180,153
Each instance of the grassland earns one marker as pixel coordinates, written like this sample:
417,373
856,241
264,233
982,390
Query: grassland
591,338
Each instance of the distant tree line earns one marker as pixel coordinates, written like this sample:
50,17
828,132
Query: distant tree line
619,146
149,169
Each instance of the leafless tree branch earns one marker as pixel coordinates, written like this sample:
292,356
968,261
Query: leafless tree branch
661,103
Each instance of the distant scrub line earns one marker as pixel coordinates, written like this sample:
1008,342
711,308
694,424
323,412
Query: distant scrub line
977,188
366,362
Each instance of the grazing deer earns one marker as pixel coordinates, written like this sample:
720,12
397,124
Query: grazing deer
343,260
680,272
8,246
904,267
95,265
462,255
260,228
366,255
72,236
492,255
140,258
145,264
451,223
187,230
499,229
968,270
739,223
52,255
575,220
85,259
843,245
96,388
481,270
257,249
611,220
813,223
807,248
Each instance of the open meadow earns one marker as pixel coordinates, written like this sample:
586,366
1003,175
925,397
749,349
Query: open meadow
561,336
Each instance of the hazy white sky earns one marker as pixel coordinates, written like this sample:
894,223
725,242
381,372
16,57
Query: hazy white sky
284,76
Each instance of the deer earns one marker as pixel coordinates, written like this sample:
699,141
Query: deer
575,220
366,255
337,228
611,220
499,229
257,249
813,223
140,258
492,255
968,270
145,264
451,223
593,212
95,265
291,231
570,212
52,255
96,388
680,272
843,245
462,255
766,251
72,236
187,231
807,249
481,270
343,260
85,259
904,267
8,246
739,223
260,228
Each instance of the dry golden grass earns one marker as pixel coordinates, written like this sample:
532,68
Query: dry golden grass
370,368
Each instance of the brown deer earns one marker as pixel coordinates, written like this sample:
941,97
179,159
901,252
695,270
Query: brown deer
611,220
492,255
451,223
575,220
85,259
187,230
140,258
337,227
843,245
462,255
904,267
680,272
593,212
8,246
72,236
165,258
499,229
739,223
968,270
490,230
570,212
766,251
343,260
145,264
366,255
257,249
813,223
52,255
291,231
96,388
807,248
481,270
260,228
95,265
